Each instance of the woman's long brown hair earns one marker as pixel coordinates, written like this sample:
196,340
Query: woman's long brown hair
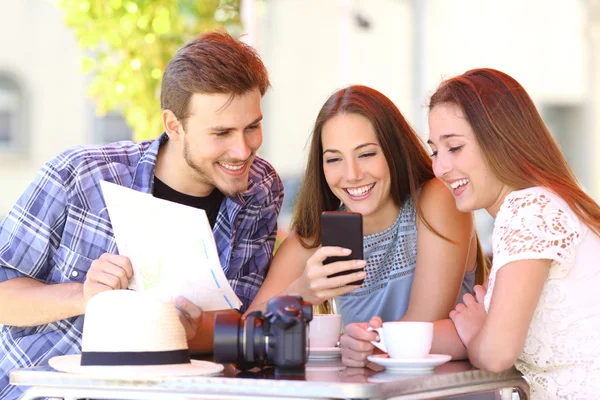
408,162
516,143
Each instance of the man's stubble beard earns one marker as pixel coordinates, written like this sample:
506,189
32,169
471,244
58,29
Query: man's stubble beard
203,177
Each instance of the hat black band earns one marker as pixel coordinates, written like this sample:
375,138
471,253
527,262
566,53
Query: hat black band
135,358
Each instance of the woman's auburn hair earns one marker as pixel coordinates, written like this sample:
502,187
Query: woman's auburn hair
513,138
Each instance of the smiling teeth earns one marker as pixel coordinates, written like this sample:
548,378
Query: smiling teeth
456,184
361,190
231,167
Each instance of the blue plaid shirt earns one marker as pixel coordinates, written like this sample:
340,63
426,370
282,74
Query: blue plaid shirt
60,224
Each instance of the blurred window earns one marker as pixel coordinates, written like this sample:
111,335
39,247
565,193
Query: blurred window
111,127
291,187
12,115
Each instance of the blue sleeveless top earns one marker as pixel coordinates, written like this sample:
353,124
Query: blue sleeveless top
391,258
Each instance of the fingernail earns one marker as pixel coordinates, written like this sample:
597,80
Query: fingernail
347,251
361,274
361,263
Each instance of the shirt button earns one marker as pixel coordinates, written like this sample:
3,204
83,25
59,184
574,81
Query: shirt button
74,274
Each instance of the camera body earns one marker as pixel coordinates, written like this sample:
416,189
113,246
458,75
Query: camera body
276,338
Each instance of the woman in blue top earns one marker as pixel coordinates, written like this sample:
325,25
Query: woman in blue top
420,252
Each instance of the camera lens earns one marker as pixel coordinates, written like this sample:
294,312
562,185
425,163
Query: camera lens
226,337
240,341
276,338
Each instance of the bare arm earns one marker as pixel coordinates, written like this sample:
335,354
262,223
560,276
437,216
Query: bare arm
27,302
441,266
517,289
447,341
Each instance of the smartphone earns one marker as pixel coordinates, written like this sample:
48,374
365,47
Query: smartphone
343,229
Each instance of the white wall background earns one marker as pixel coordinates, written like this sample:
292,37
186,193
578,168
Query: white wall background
312,48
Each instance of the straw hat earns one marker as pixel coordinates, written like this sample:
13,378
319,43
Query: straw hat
128,334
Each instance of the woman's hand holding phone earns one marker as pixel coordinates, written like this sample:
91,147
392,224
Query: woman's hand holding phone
315,286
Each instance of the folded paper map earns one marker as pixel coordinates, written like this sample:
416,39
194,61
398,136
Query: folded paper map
171,247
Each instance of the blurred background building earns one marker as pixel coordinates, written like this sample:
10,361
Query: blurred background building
403,48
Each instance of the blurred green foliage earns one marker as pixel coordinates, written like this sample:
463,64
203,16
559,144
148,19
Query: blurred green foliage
128,44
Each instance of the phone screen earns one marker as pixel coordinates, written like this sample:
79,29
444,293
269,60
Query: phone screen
343,229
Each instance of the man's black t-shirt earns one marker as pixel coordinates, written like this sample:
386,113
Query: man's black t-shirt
210,203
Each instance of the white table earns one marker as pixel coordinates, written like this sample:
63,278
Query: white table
322,380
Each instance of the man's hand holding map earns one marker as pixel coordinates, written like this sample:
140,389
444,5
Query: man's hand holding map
171,248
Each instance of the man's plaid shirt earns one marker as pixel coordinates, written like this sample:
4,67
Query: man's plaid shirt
60,224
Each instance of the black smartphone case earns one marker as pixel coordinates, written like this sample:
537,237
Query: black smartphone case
343,229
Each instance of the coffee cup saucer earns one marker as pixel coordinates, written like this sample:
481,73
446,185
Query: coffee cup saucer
413,365
324,353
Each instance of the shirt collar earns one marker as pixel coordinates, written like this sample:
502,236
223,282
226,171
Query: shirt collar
143,179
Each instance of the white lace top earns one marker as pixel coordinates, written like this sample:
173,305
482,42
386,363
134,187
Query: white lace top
561,357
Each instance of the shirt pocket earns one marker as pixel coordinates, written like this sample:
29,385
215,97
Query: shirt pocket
88,231
70,265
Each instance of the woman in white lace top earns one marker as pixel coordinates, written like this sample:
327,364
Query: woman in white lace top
541,310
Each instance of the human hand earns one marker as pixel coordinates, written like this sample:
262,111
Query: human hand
356,342
314,284
109,272
190,316
469,317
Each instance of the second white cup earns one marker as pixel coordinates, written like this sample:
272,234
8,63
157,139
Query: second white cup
324,330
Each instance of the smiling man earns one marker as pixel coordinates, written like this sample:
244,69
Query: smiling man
57,248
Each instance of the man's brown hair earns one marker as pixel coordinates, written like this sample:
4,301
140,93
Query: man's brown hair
214,62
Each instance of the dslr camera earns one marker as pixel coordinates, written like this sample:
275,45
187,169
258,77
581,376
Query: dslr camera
276,338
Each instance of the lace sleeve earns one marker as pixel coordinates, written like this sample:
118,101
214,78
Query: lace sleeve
535,224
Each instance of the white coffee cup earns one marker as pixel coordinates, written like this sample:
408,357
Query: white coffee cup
324,330
405,339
